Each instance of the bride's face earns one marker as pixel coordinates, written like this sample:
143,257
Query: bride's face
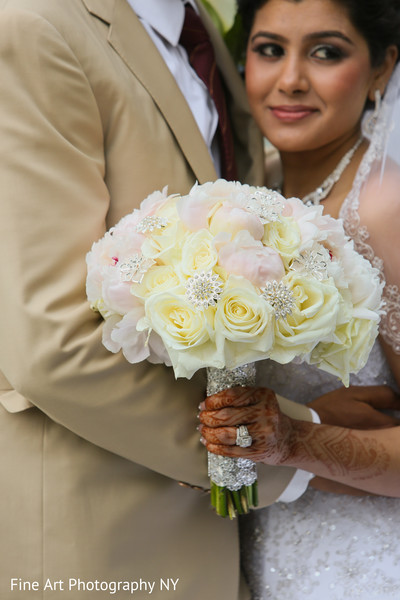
308,73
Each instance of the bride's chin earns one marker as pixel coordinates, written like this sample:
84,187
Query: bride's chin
291,139
293,145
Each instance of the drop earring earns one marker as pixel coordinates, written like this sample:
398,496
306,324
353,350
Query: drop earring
372,119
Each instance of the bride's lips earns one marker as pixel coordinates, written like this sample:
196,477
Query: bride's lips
291,114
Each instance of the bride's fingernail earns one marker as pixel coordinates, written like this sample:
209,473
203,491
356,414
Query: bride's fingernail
202,405
203,441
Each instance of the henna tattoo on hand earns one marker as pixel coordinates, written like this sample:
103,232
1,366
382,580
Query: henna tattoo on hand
342,452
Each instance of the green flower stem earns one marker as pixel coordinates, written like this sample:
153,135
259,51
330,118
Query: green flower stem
233,503
237,501
222,505
254,488
214,495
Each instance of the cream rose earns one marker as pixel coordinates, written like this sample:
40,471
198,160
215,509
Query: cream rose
198,253
244,323
186,331
313,318
164,245
363,280
159,278
349,353
283,236
180,324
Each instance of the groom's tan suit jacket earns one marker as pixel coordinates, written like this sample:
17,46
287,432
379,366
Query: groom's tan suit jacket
91,447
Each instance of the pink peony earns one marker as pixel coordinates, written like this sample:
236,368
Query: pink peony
246,257
232,219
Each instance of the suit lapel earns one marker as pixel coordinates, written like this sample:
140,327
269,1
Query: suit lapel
130,40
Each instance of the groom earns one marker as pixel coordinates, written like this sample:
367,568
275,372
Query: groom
99,107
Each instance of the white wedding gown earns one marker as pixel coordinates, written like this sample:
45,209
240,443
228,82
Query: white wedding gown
323,546
326,546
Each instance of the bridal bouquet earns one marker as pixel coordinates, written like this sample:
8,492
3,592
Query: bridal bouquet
227,275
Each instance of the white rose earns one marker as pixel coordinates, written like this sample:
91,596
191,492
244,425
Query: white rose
186,331
363,279
179,324
349,353
198,253
159,278
314,317
244,323
283,236
164,245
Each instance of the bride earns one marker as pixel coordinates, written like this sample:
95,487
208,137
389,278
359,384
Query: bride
316,73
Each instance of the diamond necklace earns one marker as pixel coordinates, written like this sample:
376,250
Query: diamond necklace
315,197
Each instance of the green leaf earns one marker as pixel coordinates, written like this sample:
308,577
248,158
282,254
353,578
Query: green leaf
235,39
219,24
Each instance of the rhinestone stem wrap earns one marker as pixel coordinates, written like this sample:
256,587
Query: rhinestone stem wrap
233,480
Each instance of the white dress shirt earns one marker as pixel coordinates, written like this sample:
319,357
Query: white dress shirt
163,20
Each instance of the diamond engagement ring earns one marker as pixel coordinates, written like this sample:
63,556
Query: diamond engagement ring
243,438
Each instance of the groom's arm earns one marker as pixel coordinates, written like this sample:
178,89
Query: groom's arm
54,204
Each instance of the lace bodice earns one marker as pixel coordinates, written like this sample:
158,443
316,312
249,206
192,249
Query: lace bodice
390,320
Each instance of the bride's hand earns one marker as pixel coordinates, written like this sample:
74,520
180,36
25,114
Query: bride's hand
358,407
258,409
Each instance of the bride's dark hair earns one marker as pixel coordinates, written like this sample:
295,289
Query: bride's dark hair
378,21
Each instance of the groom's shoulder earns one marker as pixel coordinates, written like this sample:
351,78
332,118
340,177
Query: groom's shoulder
69,19
53,10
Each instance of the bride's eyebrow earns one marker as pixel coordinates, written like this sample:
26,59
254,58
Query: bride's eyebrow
311,36
329,34
269,35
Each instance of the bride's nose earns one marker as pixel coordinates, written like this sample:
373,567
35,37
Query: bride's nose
293,76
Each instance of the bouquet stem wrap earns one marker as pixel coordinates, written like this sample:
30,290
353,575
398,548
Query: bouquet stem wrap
233,480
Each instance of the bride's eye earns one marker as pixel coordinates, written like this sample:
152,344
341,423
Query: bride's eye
326,52
270,50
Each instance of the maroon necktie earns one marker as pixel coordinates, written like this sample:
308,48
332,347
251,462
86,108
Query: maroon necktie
195,39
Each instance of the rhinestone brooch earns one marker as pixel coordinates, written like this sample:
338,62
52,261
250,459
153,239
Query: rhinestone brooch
267,205
134,268
311,263
151,224
280,297
203,289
